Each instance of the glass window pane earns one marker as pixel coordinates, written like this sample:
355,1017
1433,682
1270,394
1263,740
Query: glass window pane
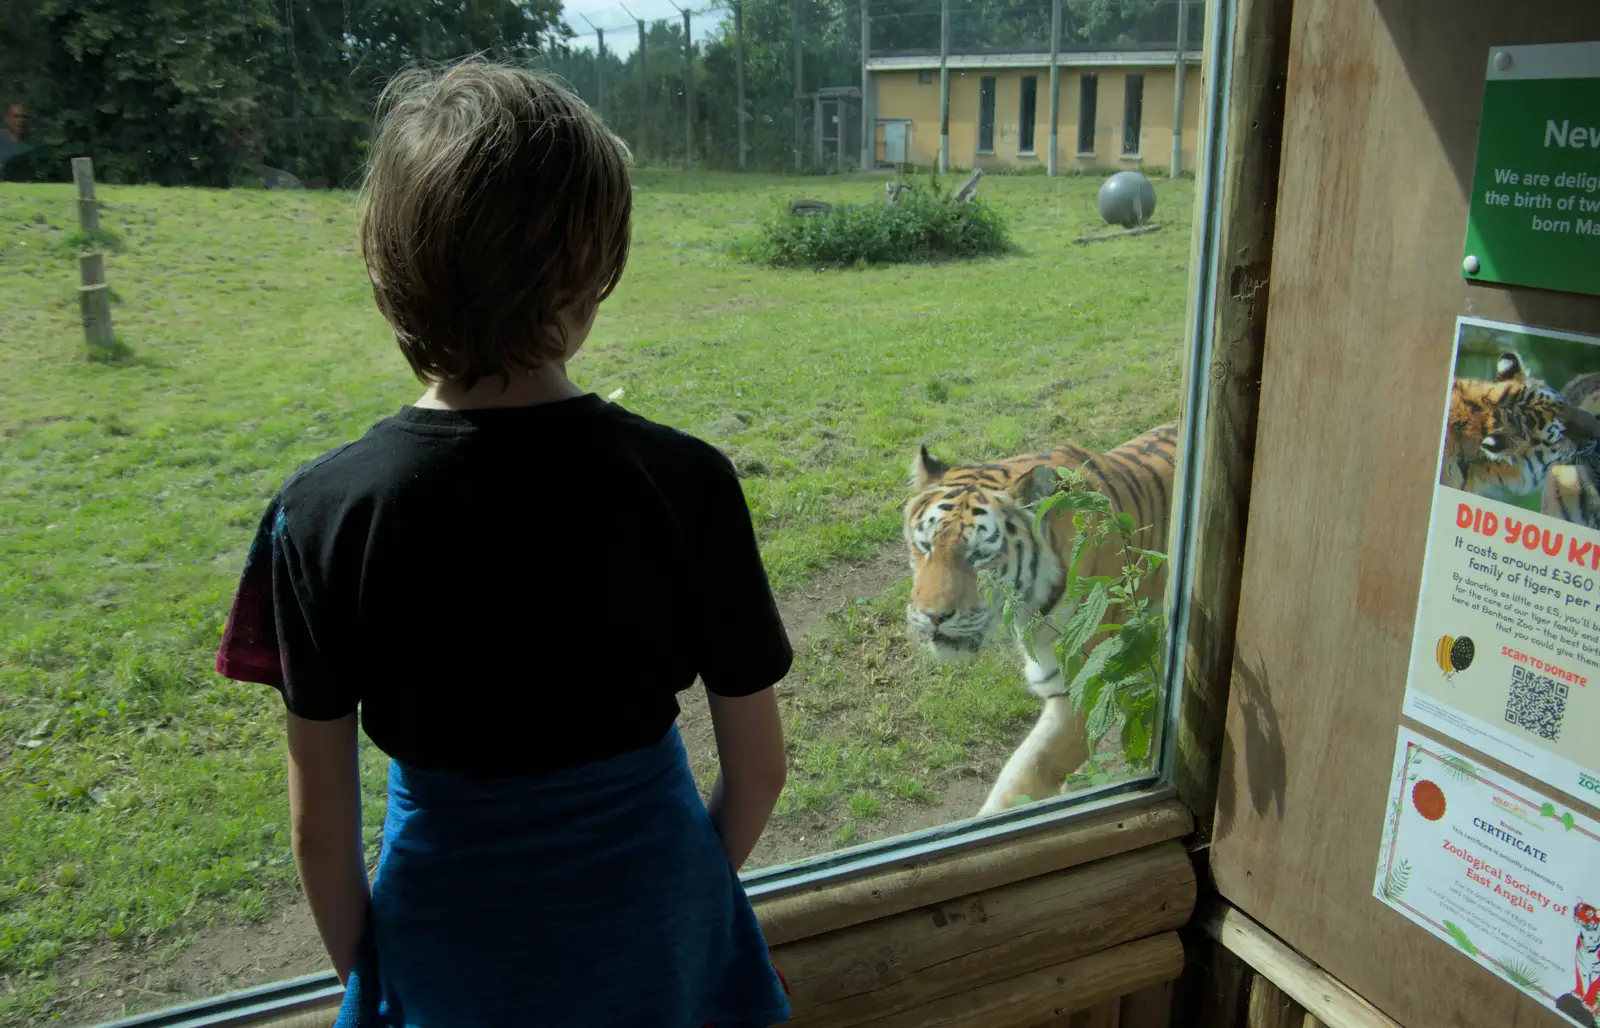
1132,113
1027,113
986,114
889,426
1088,87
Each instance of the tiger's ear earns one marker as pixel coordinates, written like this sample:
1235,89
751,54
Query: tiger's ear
1036,484
1509,368
926,469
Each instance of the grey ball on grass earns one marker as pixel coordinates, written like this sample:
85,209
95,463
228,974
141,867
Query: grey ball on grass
1127,199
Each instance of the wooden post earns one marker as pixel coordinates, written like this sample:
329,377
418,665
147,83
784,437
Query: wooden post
944,86
1243,183
688,95
88,206
1055,82
1180,74
816,130
94,296
738,72
1151,1008
868,120
644,93
599,67
600,72
1270,1008
94,302
1106,1015
798,83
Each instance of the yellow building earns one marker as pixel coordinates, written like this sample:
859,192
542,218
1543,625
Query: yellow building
1115,110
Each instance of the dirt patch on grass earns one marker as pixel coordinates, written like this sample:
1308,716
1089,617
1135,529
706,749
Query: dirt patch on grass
228,957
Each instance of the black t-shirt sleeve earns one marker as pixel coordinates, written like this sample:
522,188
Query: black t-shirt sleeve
747,649
269,638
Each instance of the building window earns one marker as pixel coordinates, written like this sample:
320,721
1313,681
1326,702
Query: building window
1027,113
1088,100
1132,114
925,77
986,114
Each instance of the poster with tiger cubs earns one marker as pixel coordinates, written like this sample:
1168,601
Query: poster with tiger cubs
1507,876
1505,655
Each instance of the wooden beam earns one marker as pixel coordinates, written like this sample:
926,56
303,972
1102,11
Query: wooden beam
1324,997
855,975
937,878
1271,1008
1048,994
1246,187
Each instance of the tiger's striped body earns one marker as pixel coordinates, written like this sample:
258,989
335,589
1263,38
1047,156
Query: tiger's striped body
1505,435
974,518
1573,490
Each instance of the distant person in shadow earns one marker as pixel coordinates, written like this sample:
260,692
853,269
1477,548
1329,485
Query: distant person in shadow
511,580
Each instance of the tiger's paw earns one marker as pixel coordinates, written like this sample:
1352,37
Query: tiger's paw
1044,681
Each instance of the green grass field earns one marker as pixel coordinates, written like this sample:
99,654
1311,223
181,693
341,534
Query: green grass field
142,797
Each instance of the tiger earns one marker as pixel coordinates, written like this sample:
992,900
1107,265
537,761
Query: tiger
971,518
1582,1004
1572,491
1503,436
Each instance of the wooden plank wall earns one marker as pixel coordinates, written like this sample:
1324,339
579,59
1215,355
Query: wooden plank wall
1379,139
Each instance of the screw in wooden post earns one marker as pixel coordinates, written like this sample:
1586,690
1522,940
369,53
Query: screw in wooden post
88,206
94,302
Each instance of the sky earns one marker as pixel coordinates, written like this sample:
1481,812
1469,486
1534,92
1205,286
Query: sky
622,34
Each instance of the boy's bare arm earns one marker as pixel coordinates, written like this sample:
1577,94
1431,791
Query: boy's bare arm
325,820
753,768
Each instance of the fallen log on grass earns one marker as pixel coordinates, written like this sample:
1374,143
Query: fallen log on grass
1154,226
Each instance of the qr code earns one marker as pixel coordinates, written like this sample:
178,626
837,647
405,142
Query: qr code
1537,703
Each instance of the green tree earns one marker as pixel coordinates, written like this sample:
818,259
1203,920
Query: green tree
154,91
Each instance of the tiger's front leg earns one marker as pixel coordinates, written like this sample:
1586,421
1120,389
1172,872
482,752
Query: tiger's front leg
1059,742
1057,746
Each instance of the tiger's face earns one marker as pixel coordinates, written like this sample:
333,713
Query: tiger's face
1504,436
962,522
1588,930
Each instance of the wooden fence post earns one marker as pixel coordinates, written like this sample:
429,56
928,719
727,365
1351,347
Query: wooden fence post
94,301
94,296
88,206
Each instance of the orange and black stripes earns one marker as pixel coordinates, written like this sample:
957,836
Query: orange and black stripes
1504,435
977,518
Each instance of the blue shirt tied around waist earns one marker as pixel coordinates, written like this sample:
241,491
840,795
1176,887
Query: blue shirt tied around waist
594,896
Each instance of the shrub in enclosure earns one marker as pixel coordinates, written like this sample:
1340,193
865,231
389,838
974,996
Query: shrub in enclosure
927,224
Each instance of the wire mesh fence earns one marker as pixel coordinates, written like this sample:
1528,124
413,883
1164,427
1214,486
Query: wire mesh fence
776,85
801,71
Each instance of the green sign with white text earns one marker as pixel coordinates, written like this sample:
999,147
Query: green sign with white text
1535,214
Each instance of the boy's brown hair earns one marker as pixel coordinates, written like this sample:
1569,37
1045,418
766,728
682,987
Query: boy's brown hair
495,202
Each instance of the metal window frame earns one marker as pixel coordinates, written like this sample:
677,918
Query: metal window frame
286,997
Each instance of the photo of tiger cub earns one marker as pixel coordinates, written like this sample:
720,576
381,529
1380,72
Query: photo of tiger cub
1573,490
1504,436
970,518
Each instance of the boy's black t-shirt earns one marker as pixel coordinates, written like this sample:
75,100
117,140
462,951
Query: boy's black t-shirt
507,591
